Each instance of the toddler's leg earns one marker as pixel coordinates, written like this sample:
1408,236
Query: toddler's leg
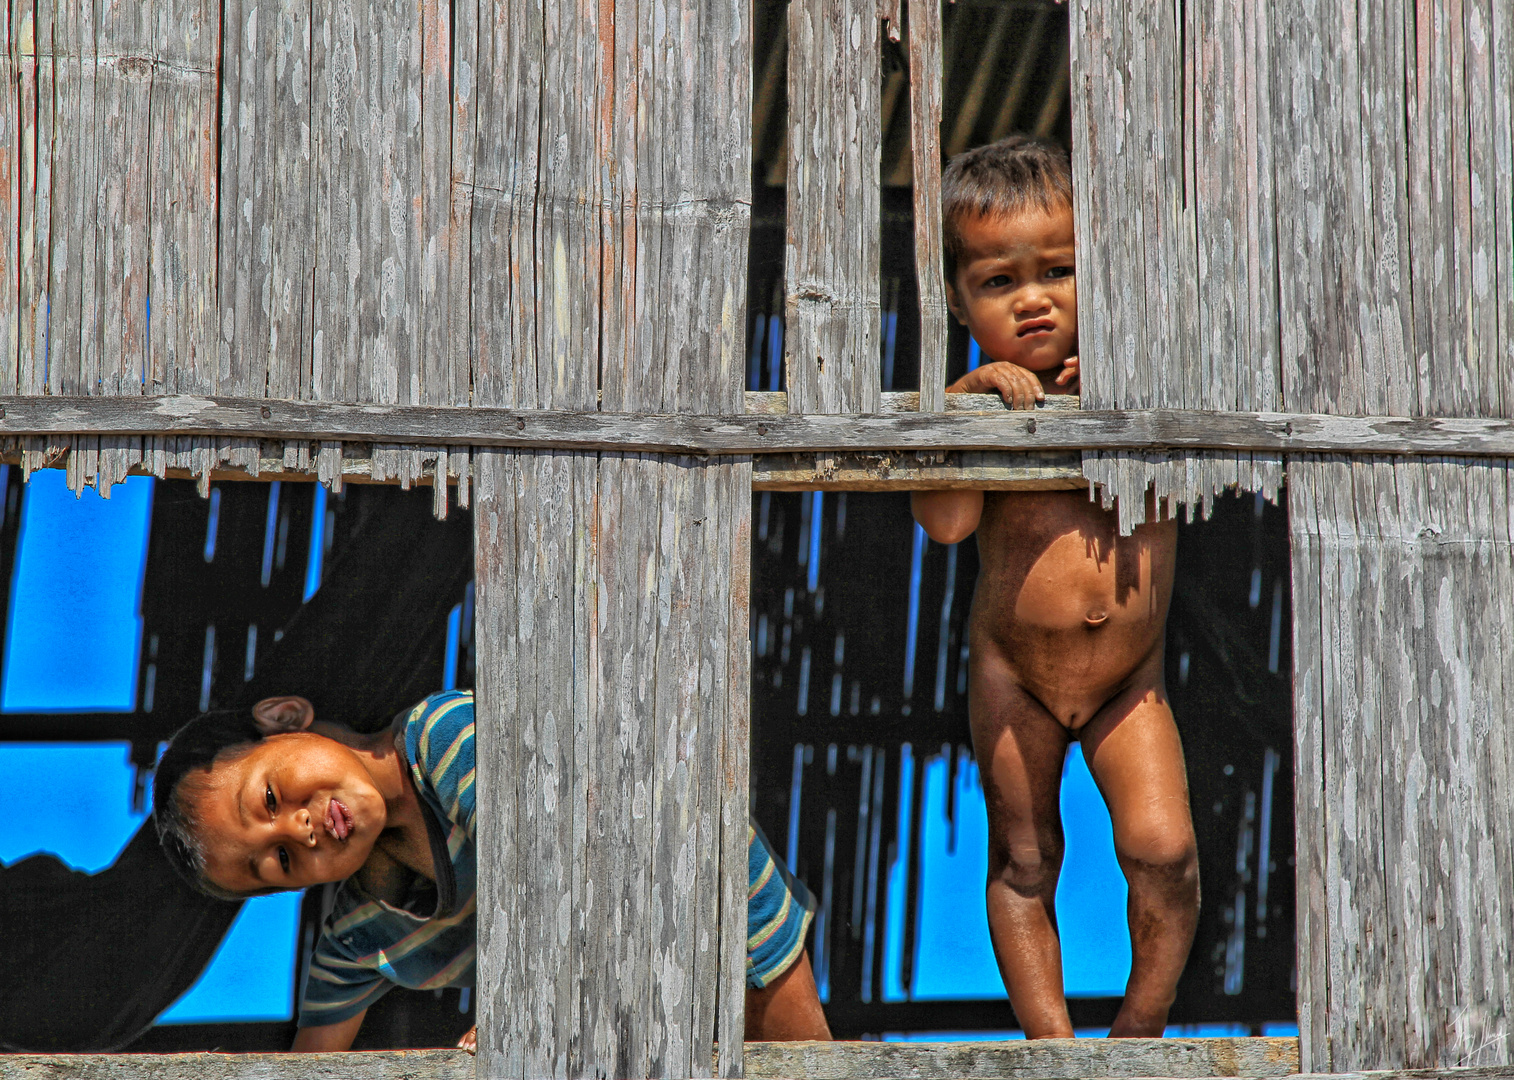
1135,756
1020,747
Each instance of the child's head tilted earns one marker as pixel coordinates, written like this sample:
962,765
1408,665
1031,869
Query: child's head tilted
248,802
1006,213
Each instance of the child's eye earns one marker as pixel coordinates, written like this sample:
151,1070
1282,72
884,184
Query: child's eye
269,801
1060,272
284,860
998,281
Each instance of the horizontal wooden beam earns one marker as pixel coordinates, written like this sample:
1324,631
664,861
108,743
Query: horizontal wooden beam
1040,1060
1097,1059
1042,430
1092,1059
925,470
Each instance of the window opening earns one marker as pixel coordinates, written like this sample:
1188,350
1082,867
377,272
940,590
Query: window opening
889,831
132,570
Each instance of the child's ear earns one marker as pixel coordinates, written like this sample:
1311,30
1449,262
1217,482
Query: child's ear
280,715
954,304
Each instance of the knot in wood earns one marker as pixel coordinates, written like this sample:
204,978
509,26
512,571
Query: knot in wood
135,67
1030,426
265,412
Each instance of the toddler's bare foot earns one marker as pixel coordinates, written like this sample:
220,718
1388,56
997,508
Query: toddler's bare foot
1128,1025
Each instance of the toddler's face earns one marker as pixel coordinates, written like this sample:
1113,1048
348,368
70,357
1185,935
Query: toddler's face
298,809
1014,288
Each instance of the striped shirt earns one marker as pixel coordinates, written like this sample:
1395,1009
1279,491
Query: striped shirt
426,942
368,945
778,913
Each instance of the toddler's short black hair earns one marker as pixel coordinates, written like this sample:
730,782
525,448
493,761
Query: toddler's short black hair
1005,177
185,765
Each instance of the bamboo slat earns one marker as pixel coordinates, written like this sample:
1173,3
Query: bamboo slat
925,75
832,262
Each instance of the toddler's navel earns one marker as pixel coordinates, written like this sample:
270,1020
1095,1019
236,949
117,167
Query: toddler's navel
1096,616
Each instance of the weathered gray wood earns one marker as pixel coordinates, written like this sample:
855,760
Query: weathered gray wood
735,783
910,471
18,71
1152,432
932,470
925,149
998,1058
36,80
381,1065
613,770
1404,783
603,173
908,401
1307,566
832,253
1175,220
1040,1060
1090,1058
268,211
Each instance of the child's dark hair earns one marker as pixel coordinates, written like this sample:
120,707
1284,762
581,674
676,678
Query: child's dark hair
183,772
1005,177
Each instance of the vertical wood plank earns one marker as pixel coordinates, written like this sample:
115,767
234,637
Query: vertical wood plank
182,204
14,92
1500,91
735,785
33,26
925,147
1311,587
606,268
500,837
614,1020
832,253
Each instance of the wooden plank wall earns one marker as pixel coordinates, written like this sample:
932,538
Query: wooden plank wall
155,253
1174,208
1395,255
1405,764
1310,210
609,270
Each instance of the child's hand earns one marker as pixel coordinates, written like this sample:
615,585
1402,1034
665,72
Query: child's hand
1018,386
1069,373
469,1042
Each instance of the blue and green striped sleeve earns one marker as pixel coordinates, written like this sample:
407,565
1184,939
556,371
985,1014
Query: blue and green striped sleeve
441,748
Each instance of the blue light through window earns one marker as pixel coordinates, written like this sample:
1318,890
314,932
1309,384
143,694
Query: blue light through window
76,592
251,976
953,955
66,800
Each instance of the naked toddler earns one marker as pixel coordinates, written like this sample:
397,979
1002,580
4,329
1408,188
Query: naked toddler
1067,625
